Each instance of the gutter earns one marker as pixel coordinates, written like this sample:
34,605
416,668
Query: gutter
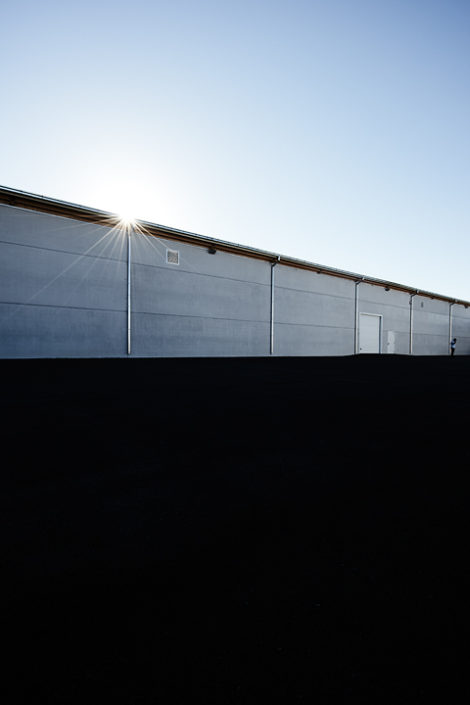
271,343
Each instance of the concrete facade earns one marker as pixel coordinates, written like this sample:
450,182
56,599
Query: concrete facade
64,293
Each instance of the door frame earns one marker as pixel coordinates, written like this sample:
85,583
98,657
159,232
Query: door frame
376,315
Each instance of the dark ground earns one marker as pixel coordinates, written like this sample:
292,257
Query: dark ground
236,531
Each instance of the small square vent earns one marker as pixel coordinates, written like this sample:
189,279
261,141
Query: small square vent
172,257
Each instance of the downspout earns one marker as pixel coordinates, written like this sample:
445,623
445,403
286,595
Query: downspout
411,321
356,315
271,335
450,323
129,232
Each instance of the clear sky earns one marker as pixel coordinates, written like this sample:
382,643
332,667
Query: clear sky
336,131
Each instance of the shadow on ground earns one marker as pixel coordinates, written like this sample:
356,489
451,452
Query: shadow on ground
236,530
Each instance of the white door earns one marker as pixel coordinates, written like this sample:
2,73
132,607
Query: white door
370,328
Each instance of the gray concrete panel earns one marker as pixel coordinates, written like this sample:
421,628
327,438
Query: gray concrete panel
305,280
53,331
170,290
371,293
428,344
158,335
52,232
308,308
49,277
150,250
461,329
431,316
313,340
430,326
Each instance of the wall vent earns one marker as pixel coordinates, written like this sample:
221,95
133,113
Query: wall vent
172,257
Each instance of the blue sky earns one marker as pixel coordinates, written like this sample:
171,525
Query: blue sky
334,131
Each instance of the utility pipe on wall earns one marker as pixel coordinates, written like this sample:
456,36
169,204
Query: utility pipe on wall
129,233
271,337
411,321
450,323
356,315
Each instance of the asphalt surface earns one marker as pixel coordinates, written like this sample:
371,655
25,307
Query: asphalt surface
235,531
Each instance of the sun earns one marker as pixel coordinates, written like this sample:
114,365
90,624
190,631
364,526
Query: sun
121,202
126,199
126,218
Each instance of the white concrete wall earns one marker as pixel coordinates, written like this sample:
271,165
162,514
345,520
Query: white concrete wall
63,292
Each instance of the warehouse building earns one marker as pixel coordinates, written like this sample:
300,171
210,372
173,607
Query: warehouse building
78,282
